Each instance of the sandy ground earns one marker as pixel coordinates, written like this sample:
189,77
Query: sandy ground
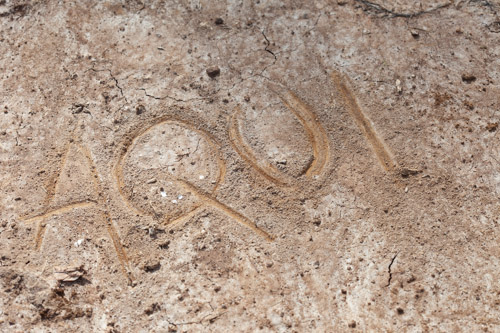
274,166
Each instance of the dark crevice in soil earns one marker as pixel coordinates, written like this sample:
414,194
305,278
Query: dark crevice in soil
172,98
380,9
389,270
117,85
268,43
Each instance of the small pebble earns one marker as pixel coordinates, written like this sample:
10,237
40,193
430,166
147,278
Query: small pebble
213,71
468,78
492,127
398,86
140,109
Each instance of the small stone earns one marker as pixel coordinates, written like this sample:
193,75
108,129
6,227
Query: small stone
152,309
494,27
139,109
151,266
405,172
398,86
151,181
468,78
219,21
414,33
213,72
492,127
68,274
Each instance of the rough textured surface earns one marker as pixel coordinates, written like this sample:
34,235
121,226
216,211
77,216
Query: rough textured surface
249,166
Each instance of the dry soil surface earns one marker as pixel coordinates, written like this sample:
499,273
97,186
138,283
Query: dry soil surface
274,166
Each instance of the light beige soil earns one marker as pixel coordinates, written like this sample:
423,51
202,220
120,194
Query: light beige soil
339,173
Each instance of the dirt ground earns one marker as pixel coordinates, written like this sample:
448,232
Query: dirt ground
249,166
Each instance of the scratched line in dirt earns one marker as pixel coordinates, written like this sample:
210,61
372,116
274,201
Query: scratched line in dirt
118,169
245,151
101,203
57,211
238,217
49,198
364,123
316,135
206,199
315,132
120,251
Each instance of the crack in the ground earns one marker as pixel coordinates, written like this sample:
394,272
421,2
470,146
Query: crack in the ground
117,84
172,98
314,25
378,8
259,74
268,43
389,270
